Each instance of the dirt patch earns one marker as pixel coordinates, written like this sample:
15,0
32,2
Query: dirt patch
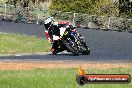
34,65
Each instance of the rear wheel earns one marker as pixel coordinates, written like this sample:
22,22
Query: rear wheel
71,46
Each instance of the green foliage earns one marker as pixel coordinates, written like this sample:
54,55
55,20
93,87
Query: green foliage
79,6
96,7
10,2
106,8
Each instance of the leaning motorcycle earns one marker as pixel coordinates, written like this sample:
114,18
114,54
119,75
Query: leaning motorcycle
71,41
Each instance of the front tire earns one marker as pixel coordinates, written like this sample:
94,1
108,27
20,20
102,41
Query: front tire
86,52
70,48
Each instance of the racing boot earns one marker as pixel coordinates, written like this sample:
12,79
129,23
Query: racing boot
54,49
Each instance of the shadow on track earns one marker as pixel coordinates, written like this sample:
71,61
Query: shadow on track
68,57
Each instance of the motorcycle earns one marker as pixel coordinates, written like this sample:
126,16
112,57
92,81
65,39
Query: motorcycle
70,40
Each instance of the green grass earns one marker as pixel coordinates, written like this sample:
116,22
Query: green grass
55,78
12,43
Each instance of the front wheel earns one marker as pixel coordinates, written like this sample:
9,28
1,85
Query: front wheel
71,48
86,51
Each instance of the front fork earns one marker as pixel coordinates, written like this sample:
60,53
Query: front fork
80,42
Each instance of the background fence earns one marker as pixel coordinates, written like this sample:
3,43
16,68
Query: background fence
37,15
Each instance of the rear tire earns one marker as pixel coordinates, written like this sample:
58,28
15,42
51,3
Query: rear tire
71,49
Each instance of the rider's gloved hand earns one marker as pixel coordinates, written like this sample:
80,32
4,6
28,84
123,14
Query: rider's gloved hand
46,34
48,37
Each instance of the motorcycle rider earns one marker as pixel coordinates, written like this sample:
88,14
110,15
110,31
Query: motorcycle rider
52,32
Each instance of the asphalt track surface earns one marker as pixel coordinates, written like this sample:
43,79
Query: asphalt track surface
106,46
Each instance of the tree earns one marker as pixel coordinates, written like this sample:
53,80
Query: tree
125,7
96,7
79,6
106,8
25,2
